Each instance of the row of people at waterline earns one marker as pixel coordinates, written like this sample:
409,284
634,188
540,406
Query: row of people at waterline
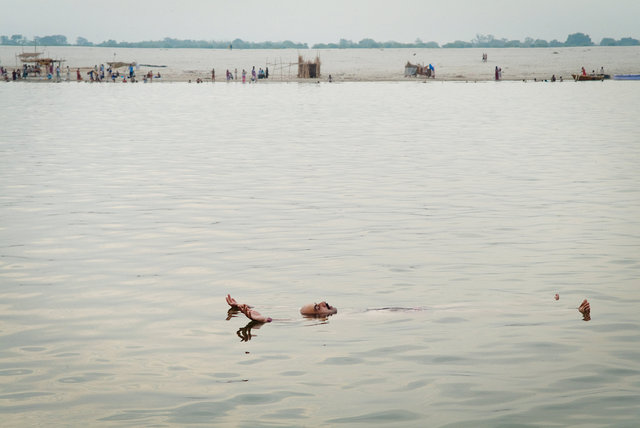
552,79
498,76
254,76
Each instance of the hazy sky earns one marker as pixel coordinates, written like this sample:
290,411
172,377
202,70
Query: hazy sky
322,21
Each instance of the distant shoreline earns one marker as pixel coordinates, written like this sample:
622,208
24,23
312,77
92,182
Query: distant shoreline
344,65
322,79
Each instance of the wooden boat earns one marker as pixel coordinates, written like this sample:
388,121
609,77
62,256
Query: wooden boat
626,77
580,77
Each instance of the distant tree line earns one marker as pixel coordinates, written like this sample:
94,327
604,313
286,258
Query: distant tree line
372,44
167,42
575,39
480,41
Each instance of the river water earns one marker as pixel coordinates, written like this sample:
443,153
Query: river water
440,219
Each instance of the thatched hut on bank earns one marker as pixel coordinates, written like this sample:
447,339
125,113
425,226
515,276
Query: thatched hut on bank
308,69
120,64
35,62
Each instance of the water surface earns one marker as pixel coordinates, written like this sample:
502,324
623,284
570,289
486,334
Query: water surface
127,212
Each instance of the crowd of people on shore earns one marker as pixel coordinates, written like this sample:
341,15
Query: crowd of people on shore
99,74
95,74
102,73
36,70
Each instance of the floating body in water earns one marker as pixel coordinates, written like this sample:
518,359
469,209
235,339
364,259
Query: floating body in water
324,309
310,309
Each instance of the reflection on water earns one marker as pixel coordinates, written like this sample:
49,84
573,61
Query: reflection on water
245,334
128,213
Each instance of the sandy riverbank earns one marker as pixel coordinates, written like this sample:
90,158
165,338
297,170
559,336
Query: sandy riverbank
347,65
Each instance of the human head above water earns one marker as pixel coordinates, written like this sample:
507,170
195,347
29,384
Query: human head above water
322,308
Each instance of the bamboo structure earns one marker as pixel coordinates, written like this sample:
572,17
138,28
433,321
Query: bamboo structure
278,67
306,69
35,59
33,63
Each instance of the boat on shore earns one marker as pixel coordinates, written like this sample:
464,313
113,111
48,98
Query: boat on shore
582,77
626,77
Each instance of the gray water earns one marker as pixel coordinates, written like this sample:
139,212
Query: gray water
127,212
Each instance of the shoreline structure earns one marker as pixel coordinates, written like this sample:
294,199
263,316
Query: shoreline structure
344,65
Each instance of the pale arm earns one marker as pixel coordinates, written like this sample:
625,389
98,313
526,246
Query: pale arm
246,309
